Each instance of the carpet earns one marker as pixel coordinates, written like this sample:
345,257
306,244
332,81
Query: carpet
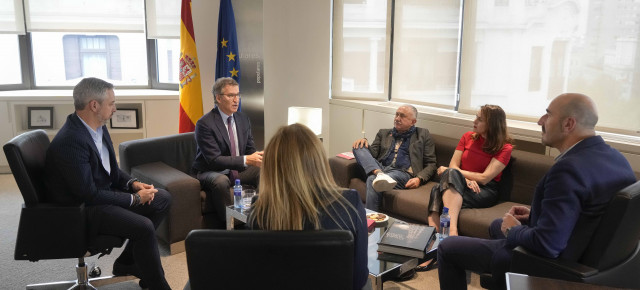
18,274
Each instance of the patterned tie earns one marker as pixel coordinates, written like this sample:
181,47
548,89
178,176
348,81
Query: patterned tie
232,140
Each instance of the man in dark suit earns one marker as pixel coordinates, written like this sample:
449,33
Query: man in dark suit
81,168
402,157
568,201
225,151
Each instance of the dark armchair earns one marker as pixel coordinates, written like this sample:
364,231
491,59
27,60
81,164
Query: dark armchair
270,259
611,257
47,230
166,162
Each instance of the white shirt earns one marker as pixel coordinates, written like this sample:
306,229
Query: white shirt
103,151
102,148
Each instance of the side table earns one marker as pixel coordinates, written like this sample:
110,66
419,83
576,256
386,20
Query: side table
235,215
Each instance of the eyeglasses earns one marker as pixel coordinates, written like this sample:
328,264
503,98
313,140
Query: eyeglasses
232,96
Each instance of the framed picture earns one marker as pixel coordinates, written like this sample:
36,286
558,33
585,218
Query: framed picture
125,119
40,117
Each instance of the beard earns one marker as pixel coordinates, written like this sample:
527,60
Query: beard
102,120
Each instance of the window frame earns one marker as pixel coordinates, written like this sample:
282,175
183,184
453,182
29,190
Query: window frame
462,95
336,86
25,66
152,58
27,70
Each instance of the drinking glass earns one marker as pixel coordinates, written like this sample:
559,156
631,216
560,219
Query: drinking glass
247,195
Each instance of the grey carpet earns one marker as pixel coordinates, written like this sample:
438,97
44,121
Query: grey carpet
17,274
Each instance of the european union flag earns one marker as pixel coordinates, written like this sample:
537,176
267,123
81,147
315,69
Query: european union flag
227,60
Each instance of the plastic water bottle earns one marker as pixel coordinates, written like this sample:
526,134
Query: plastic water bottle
237,194
445,221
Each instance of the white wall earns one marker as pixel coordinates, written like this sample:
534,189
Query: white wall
297,60
297,48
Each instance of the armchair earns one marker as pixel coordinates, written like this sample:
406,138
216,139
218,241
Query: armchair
610,258
270,259
47,230
166,162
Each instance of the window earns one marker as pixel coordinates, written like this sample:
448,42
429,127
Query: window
11,72
163,25
168,58
62,59
501,2
92,55
535,71
361,49
425,50
66,40
589,47
11,25
516,54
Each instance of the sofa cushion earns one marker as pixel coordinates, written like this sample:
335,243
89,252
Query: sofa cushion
445,147
345,169
474,222
360,186
527,170
408,204
177,151
185,193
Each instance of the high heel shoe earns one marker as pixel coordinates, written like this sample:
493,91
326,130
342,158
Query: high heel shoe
426,266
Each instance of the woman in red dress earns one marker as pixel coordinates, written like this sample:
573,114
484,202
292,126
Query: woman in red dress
471,180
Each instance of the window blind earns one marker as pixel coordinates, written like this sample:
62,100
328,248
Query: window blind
85,16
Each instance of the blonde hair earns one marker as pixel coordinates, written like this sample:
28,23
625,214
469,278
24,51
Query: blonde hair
296,183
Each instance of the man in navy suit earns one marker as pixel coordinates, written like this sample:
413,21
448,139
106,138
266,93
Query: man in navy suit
81,167
568,201
225,151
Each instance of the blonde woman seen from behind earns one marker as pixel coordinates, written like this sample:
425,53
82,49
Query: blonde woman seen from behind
297,192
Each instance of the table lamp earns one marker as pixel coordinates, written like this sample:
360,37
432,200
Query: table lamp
310,117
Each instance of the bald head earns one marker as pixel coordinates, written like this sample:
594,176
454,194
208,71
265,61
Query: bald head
570,118
580,107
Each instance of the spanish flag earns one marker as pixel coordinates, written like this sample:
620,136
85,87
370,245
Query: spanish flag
190,89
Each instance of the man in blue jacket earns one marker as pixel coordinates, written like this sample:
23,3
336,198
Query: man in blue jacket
572,195
81,167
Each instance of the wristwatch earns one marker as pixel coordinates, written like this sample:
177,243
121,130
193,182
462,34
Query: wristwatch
506,232
130,183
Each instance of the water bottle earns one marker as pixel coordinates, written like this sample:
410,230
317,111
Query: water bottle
237,195
444,223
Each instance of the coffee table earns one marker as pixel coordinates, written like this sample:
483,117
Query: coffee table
235,215
384,266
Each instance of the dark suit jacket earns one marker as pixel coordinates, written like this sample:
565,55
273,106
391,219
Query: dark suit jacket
422,151
74,172
212,138
571,198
